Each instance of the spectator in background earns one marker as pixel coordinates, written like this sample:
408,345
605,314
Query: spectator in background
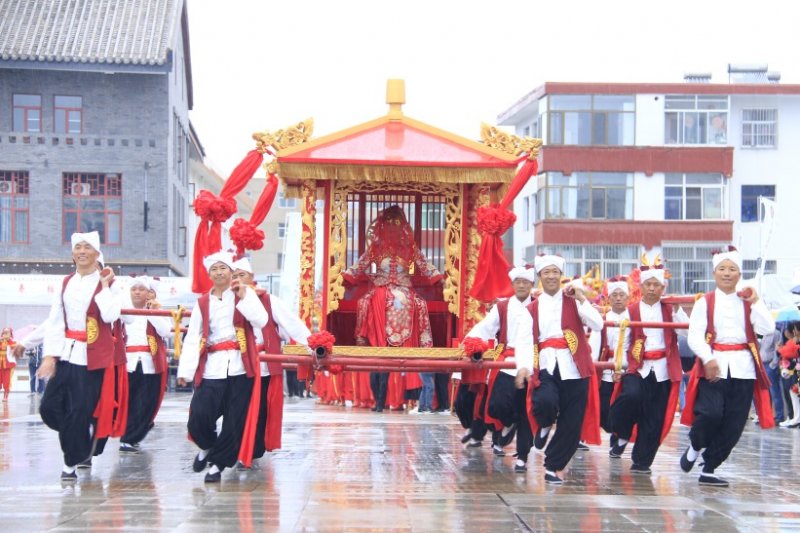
770,361
7,360
34,356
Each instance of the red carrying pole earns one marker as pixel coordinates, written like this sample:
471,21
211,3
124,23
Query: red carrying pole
155,312
663,325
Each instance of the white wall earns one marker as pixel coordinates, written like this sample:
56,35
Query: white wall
649,120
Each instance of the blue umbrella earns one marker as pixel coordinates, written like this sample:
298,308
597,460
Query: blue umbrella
796,290
790,314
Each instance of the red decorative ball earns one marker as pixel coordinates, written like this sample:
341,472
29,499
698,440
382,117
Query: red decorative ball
473,345
494,220
322,339
210,207
245,235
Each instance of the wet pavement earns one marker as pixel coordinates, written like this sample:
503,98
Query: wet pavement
344,469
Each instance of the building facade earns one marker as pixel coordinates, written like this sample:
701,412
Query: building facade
678,169
94,133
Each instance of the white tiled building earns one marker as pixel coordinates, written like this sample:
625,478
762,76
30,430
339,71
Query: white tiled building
675,168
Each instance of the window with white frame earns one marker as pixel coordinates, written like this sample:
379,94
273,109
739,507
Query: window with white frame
585,119
689,265
750,267
694,196
696,119
281,230
759,128
286,203
586,195
612,259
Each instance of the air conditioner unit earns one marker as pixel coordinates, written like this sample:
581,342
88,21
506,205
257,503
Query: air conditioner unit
81,189
6,187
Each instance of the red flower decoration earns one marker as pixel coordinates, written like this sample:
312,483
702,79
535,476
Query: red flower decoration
473,345
245,235
210,207
321,339
494,220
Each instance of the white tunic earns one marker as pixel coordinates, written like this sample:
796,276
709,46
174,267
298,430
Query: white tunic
655,339
489,327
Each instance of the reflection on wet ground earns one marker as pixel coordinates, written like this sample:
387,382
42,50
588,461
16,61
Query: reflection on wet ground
350,470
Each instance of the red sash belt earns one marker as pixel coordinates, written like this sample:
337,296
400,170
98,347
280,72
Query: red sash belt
76,335
131,349
560,343
225,345
654,355
717,347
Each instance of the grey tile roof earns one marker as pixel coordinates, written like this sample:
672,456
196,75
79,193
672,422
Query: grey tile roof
135,32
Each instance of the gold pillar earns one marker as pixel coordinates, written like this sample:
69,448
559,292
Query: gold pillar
307,248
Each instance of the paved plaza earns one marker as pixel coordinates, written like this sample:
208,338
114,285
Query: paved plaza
352,470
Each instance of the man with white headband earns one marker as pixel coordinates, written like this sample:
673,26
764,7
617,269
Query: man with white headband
79,350
728,374
605,343
146,355
648,392
282,325
553,352
505,406
219,353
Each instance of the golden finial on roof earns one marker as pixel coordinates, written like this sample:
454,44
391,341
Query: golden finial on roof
395,97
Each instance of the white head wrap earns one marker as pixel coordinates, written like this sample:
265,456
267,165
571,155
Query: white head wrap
225,258
144,281
732,255
652,273
243,264
92,239
618,286
522,273
544,261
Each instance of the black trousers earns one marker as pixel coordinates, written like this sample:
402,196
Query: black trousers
440,384
261,428
508,405
464,406
143,392
641,402
563,402
67,406
227,398
606,390
720,414
379,382
293,386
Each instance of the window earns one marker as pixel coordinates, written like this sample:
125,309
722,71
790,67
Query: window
280,261
587,195
759,128
750,267
281,230
750,201
93,202
693,197
526,213
695,119
606,120
68,114
286,203
433,216
613,260
28,113
690,266
14,208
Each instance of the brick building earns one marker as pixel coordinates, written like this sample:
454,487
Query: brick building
94,133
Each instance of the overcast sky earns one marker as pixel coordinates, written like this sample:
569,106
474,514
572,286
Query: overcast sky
261,64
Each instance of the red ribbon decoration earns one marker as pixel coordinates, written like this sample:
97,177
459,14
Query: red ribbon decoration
493,222
245,234
213,211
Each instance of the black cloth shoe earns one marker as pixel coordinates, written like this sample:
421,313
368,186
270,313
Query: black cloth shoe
85,464
69,477
241,468
474,443
617,450
582,447
710,480
199,464
639,469
124,447
552,479
498,451
506,440
539,442
213,478
466,437
686,464
520,468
